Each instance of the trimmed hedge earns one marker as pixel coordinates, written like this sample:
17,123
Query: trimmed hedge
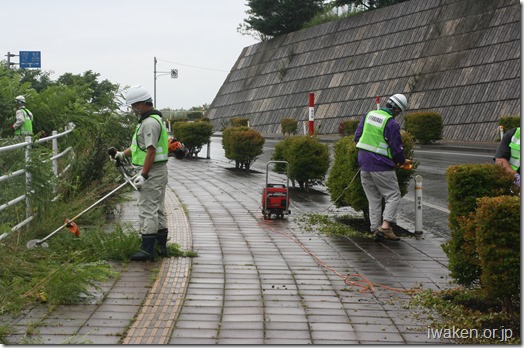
498,247
467,183
308,159
426,127
194,135
289,126
346,166
239,122
243,145
509,122
347,128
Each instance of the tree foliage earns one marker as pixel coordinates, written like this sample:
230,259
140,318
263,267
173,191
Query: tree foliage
367,4
271,18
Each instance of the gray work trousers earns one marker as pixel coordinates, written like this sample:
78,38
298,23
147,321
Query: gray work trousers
378,185
151,200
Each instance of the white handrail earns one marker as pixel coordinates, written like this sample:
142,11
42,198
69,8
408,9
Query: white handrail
27,144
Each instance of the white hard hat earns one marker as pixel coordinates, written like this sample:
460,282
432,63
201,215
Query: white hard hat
137,94
399,100
20,99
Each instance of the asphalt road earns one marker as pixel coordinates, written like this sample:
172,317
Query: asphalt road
433,163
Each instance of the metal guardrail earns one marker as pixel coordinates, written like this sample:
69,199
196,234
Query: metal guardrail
27,144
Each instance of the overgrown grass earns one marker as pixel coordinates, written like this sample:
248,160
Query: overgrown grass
469,310
345,225
63,272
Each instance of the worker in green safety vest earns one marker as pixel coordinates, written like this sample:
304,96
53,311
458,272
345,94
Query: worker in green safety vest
508,153
24,119
149,150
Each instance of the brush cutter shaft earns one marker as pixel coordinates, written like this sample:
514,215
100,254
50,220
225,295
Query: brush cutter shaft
85,211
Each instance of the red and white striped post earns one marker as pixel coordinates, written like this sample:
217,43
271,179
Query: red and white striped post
377,99
311,113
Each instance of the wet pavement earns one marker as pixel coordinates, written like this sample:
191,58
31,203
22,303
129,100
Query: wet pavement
254,281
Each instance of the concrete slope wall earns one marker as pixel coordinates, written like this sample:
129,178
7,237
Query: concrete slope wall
457,57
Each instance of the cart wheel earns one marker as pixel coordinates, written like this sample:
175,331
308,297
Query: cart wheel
265,217
269,216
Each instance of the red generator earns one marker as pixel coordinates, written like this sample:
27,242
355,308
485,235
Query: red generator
275,197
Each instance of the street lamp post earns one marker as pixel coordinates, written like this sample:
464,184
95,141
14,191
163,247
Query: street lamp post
173,72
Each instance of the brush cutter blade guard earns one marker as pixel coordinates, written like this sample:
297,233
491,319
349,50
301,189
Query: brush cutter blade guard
33,243
72,227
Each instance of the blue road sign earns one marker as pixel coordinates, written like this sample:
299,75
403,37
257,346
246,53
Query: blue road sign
29,59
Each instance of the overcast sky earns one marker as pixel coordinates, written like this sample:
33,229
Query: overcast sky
119,39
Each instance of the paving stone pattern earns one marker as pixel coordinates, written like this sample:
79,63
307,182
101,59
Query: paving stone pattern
254,281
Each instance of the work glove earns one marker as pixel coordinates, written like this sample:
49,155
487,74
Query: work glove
139,181
120,156
517,179
407,165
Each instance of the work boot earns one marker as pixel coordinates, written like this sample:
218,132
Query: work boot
388,233
161,238
147,250
378,236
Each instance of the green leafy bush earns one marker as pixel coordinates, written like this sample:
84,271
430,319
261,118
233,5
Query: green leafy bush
343,182
426,127
289,126
239,122
346,128
243,145
194,135
498,246
466,183
509,122
308,159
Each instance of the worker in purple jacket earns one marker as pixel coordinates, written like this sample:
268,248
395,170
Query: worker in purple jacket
380,149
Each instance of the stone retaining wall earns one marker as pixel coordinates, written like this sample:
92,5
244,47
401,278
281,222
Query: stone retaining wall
457,57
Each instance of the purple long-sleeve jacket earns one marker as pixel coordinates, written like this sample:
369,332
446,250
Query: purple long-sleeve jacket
373,162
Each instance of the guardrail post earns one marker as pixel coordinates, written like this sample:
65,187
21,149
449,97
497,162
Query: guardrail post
208,150
27,178
418,204
55,152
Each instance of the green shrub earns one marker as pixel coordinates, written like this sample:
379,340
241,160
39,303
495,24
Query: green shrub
346,128
243,145
308,159
426,127
194,135
345,168
498,246
239,122
466,183
289,126
509,122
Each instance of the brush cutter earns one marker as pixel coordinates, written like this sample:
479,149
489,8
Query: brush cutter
70,223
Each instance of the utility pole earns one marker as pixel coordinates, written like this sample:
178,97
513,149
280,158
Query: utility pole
154,88
173,72
9,55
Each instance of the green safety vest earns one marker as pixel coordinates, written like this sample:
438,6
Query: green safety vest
27,127
514,160
372,138
139,155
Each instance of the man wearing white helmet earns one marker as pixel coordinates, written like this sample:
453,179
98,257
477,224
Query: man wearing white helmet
23,120
149,150
380,150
